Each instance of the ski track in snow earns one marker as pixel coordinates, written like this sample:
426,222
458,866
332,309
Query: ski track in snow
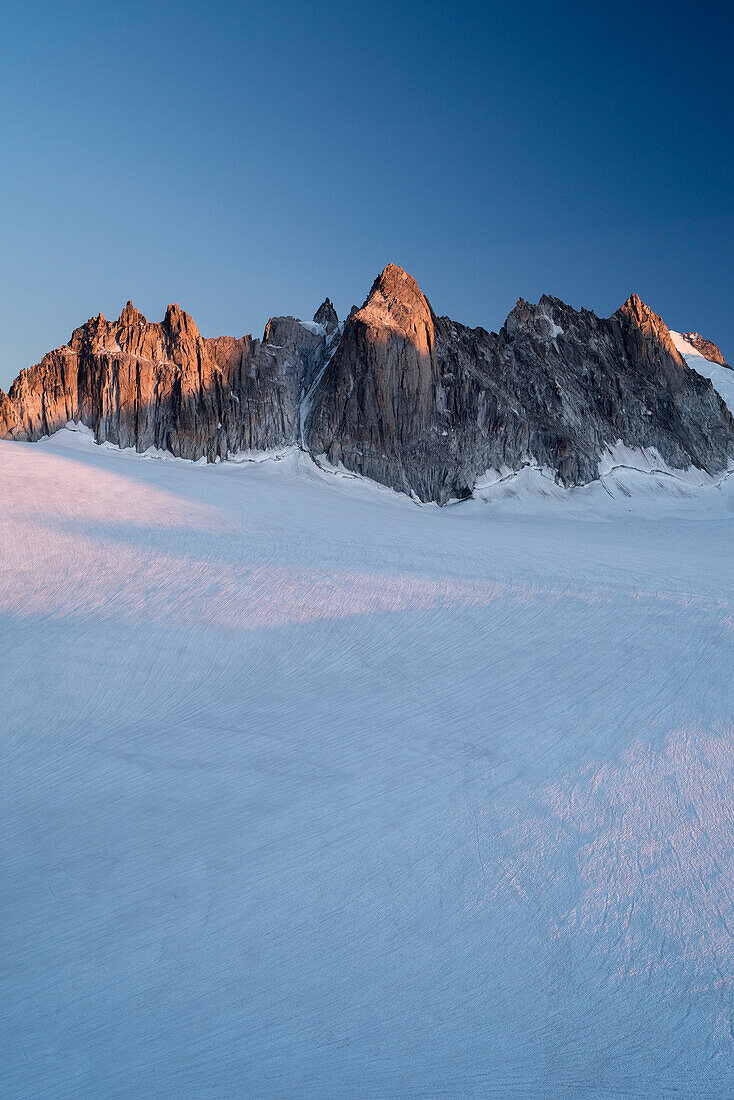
309,791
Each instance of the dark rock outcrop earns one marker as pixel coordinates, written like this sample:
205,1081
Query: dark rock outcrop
427,405
707,348
378,410
326,315
415,401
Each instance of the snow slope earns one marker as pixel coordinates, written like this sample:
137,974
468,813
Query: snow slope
721,377
310,791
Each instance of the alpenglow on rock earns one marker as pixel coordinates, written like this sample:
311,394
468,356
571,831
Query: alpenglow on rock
141,384
417,402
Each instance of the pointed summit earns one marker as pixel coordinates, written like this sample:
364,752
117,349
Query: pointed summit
635,307
377,395
638,316
636,310
395,282
327,316
131,316
398,303
180,323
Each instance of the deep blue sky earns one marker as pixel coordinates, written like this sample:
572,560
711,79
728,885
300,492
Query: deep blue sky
248,159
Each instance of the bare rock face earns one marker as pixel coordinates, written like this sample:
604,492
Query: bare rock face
707,348
415,401
140,384
134,383
426,405
268,380
326,315
377,408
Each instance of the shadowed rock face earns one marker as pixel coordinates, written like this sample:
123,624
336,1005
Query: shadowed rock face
417,402
427,405
326,315
376,408
707,348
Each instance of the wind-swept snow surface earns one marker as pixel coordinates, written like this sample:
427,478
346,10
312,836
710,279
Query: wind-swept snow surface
310,791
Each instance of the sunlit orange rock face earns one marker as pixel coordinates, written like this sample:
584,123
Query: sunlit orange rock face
140,384
131,381
647,334
417,402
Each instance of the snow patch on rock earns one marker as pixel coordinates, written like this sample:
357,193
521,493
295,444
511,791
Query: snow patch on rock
722,378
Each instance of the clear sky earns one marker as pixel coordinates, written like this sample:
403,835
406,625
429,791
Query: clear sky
249,159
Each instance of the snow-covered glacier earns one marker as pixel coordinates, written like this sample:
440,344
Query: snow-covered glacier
308,790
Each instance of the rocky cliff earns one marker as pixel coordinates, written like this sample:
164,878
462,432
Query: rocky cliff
141,384
427,405
415,401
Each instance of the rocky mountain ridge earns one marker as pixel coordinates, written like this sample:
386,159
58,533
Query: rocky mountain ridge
707,348
148,384
417,402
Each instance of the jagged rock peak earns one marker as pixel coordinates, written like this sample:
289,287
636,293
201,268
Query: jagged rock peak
540,319
707,348
131,316
640,316
635,307
178,322
397,302
518,316
327,316
377,397
395,283
418,402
